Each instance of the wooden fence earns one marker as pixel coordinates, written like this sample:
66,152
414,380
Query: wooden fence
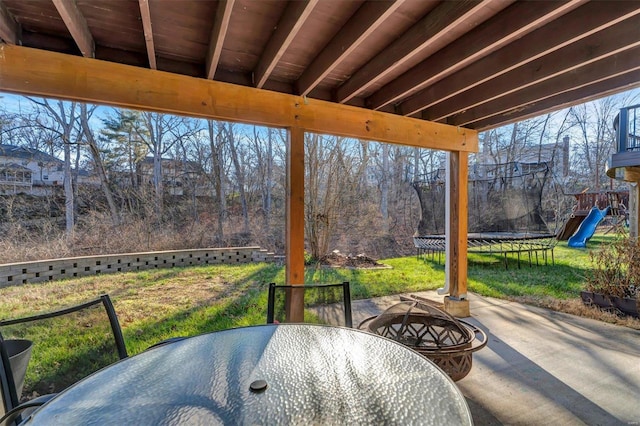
57,269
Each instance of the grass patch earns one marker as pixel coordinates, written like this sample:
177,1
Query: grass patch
158,304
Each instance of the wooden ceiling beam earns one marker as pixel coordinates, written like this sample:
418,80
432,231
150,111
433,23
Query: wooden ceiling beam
41,73
362,24
569,28
9,28
448,19
611,86
595,72
287,29
502,29
218,34
77,26
145,14
598,46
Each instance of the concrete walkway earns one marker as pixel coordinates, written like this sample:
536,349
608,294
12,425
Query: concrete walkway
542,367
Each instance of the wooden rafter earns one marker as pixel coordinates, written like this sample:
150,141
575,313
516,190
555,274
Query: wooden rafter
364,22
77,26
610,86
145,14
76,78
218,34
431,31
598,46
578,24
507,26
291,22
9,28
604,69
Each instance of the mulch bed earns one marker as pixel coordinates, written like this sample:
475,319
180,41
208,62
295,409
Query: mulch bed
339,260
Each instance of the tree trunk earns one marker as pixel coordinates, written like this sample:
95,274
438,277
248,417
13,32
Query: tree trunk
97,160
384,188
216,175
69,201
240,178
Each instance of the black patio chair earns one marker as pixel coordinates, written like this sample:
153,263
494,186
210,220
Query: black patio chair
323,303
92,340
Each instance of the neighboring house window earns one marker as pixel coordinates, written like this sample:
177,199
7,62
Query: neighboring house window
45,177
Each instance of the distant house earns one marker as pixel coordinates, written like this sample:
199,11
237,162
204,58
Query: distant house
556,155
30,170
178,177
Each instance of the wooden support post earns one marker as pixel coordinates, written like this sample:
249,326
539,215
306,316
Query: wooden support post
295,223
456,239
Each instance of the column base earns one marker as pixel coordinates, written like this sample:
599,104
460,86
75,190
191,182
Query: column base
456,307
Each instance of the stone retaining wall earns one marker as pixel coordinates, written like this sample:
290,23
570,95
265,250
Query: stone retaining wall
57,269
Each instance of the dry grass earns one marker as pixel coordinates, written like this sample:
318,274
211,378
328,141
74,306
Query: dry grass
576,307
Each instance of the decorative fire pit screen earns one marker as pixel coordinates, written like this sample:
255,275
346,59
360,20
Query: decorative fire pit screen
418,324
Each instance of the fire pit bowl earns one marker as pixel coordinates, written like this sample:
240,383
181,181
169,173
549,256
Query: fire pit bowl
423,327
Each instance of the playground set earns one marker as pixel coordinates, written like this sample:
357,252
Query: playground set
506,214
505,204
591,209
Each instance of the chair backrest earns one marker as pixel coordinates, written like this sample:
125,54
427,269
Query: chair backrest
323,303
68,345
7,385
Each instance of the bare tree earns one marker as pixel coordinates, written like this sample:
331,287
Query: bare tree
85,115
160,132
264,155
216,144
62,117
335,167
238,166
595,139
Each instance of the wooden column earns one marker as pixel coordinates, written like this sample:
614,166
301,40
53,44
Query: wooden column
295,222
457,202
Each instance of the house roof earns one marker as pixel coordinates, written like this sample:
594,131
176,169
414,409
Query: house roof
14,166
476,64
13,151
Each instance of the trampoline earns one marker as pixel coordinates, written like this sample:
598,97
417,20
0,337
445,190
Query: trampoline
505,212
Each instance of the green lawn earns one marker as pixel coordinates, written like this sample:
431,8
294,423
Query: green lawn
154,305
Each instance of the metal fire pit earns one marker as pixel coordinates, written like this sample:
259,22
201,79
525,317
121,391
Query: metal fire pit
423,327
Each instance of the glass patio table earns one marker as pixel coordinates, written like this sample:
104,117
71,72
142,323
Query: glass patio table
270,374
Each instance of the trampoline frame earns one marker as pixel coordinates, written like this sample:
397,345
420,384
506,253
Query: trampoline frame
502,243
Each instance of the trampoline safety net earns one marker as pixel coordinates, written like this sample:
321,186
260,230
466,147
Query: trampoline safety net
502,198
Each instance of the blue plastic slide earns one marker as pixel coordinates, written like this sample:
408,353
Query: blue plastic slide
587,228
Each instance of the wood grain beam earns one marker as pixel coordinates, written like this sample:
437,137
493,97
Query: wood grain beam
442,24
49,74
604,69
77,26
462,109
9,28
286,31
569,28
218,34
145,14
364,22
608,87
504,28
457,194
295,208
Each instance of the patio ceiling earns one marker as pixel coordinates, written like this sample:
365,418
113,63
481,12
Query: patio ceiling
475,64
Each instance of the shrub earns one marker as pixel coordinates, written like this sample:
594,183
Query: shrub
616,269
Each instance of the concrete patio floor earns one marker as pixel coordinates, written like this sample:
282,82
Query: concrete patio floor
542,367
